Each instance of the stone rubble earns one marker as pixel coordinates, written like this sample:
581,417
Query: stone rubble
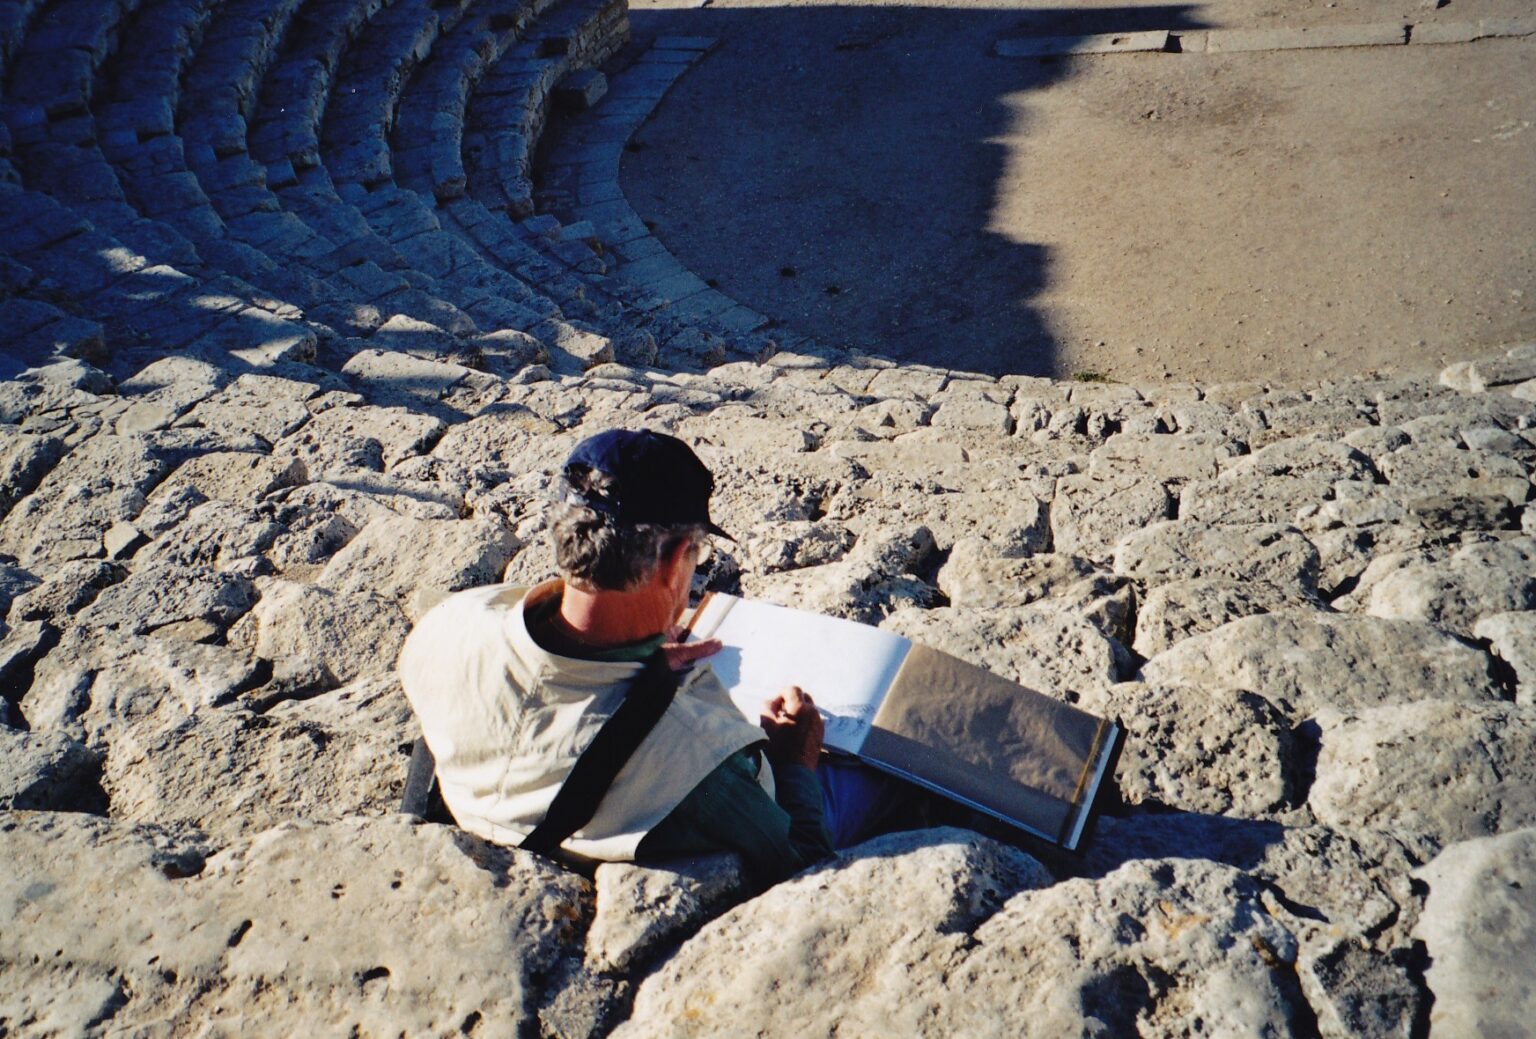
276,374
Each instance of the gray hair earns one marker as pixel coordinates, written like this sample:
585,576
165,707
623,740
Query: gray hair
593,551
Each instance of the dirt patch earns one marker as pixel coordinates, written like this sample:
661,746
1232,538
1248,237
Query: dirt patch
1286,215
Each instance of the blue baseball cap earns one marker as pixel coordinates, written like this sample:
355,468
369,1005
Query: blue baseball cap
656,479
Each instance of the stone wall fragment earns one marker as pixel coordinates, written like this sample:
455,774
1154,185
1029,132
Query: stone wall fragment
1220,750
1480,914
1446,771
308,926
1477,581
1182,550
1304,661
393,558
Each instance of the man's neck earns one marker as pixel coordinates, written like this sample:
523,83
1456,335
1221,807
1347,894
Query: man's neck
600,619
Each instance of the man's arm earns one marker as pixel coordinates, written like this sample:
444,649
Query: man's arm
730,811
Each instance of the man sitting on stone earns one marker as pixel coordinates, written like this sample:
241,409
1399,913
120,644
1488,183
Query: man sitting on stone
512,686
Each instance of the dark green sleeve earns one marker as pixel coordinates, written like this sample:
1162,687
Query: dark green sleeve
730,811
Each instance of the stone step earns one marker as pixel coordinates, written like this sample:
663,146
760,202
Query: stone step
51,73
136,114
38,333
144,310
296,91
429,129
14,16
355,137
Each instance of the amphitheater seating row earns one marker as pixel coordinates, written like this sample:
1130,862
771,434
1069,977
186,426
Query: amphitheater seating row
286,176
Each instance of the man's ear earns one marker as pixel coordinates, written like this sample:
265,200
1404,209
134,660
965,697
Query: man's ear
677,557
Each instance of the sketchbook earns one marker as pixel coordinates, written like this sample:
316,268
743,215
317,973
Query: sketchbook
934,719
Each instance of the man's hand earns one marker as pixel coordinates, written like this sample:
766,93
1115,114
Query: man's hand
682,655
794,728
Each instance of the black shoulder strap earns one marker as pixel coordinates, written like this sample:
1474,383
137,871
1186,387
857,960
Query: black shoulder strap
645,701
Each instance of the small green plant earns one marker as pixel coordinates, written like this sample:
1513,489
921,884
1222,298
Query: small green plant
1089,376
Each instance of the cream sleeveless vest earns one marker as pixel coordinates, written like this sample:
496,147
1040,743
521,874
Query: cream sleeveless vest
506,721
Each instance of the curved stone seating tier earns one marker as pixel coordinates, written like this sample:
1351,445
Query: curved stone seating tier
14,16
374,71
136,113
54,136
221,88
294,94
143,310
426,140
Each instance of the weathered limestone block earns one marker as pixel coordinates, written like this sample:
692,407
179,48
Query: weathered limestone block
873,579
899,455
910,382
1319,456
1445,430
1183,550
643,909
1125,935
1512,638
1445,771
95,681
1170,613
1054,653
1480,376
1105,601
1303,661
1187,456
359,502
231,773
975,575
1352,885
1365,562
1248,497
795,544
153,598
99,483
1475,582
965,415
1496,440
48,772
1357,991
24,460
14,583
68,589
257,932
343,635
1477,923
787,487
1209,416
172,385
1218,750
1158,948
404,373
1447,471
393,558
398,432
1012,522
1328,418
831,949
1347,899
742,426
216,534
1089,517
235,411
22,645
234,476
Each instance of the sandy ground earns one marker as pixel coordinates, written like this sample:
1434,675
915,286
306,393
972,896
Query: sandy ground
872,176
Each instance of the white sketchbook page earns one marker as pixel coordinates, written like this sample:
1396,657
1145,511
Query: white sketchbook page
844,665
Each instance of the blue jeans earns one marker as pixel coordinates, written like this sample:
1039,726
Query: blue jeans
856,799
